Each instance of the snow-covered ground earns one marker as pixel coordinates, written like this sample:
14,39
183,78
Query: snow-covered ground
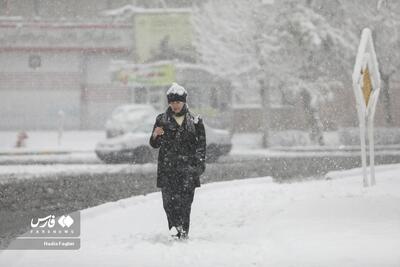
84,141
252,222
42,147
47,141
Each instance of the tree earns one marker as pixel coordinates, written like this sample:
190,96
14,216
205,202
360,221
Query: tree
232,43
386,25
285,43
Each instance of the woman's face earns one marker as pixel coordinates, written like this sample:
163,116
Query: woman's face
176,106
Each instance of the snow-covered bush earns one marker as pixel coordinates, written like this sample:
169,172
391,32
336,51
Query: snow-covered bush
290,138
382,136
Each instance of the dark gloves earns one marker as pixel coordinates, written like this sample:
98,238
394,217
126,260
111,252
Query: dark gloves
198,167
193,166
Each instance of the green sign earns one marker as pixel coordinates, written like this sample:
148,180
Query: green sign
163,36
145,75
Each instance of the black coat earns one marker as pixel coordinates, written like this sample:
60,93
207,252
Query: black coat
181,159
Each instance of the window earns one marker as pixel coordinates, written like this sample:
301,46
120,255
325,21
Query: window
34,61
140,95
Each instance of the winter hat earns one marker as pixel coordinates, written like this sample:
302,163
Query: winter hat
176,93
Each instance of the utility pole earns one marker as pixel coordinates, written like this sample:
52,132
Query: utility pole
7,7
265,111
262,76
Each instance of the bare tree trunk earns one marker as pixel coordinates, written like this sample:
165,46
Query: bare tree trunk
265,113
386,98
264,94
313,119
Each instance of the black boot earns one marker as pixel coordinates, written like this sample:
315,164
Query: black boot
182,234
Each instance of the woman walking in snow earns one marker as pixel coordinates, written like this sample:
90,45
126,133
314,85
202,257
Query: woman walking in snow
181,137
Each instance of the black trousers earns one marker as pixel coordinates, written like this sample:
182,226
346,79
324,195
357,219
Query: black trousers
177,204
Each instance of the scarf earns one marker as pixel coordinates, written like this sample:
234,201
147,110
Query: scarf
189,126
183,111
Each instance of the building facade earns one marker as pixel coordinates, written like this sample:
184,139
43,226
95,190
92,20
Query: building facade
50,68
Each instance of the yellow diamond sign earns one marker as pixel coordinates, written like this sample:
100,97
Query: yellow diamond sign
367,85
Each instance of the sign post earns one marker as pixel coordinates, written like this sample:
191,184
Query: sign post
61,118
366,86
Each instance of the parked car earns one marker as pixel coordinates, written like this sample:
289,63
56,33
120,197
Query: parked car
128,131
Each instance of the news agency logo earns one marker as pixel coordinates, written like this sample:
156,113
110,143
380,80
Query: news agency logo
49,232
47,225
49,221
65,221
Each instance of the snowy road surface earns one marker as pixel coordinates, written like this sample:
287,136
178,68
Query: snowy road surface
252,222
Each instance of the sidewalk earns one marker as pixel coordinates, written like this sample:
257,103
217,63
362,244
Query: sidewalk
327,223
46,142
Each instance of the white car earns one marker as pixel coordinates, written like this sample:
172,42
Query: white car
128,131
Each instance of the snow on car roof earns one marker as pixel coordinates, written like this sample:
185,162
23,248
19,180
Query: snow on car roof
132,117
